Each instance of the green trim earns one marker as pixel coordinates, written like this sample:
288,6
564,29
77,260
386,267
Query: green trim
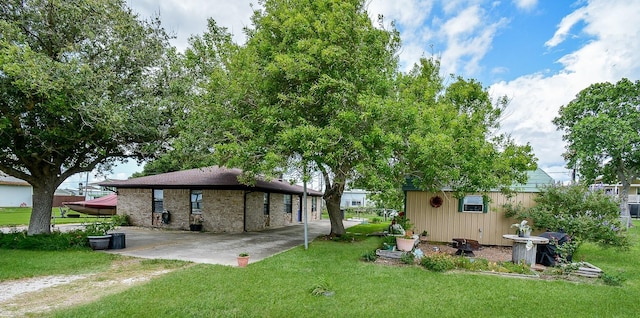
485,204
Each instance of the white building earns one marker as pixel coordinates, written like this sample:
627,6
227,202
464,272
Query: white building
15,192
355,198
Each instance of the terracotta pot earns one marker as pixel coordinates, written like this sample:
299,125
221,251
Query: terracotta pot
405,244
243,261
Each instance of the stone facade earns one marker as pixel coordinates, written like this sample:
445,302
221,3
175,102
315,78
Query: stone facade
223,211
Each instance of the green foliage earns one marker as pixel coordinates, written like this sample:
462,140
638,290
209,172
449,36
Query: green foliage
317,87
56,241
584,215
407,258
99,228
83,84
602,129
369,256
121,220
613,279
376,220
438,262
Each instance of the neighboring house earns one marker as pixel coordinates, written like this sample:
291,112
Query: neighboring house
615,189
472,217
212,197
354,198
15,192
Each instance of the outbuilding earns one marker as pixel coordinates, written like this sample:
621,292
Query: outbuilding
475,216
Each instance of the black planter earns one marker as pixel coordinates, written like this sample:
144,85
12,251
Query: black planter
195,227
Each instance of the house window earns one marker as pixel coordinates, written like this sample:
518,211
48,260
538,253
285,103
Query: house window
287,203
314,204
473,203
158,200
266,203
196,201
356,203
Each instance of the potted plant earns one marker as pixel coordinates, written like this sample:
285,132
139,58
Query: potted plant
243,259
97,234
389,242
196,222
405,243
524,230
424,235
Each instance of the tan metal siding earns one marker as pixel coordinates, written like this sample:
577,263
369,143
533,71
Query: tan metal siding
445,222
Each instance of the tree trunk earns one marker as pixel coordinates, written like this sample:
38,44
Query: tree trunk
335,215
624,204
40,222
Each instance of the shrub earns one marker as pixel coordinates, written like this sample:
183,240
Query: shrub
121,220
438,262
612,279
55,241
407,258
369,256
584,215
376,220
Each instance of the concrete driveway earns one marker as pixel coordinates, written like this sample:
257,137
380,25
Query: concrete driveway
217,248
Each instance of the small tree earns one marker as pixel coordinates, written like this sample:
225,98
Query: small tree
584,215
602,129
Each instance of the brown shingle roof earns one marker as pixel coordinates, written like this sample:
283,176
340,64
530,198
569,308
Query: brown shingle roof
206,178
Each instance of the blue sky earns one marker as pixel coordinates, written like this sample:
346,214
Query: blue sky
538,53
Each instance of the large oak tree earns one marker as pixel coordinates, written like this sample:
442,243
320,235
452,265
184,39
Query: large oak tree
602,129
81,85
317,87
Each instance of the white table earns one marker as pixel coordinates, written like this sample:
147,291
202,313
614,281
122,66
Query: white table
520,251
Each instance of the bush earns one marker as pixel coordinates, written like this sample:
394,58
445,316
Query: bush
407,258
612,279
56,241
438,262
121,220
584,215
369,256
376,220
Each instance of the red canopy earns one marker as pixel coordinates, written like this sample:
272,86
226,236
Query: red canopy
108,201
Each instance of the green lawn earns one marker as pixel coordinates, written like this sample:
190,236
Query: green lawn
20,216
281,286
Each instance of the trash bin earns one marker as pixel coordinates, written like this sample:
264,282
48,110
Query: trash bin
117,241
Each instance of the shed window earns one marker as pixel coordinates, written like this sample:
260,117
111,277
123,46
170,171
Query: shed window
158,200
473,203
196,201
314,204
288,208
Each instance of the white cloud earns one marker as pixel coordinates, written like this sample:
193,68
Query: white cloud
565,26
526,5
185,18
610,56
468,35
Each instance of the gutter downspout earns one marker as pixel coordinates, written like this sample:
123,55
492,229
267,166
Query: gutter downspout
244,211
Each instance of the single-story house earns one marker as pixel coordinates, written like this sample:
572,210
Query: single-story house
355,198
475,216
615,190
15,192
214,198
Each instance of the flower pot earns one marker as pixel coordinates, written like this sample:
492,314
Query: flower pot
405,244
100,242
195,227
524,233
243,261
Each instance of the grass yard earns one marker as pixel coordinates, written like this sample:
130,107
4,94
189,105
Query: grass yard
21,216
283,285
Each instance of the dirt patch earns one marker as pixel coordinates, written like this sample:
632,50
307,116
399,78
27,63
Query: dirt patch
490,253
27,297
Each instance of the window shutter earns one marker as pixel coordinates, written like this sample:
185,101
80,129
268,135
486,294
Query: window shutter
460,204
485,204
